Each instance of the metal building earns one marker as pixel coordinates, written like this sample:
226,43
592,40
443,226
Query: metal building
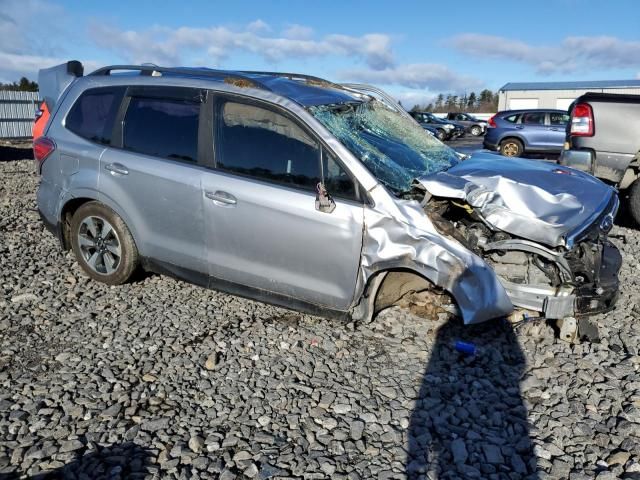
17,112
558,94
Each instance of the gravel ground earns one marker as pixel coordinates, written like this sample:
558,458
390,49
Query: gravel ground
162,379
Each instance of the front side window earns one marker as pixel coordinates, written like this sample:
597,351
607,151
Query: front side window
93,114
533,118
395,149
162,127
336,180
263,144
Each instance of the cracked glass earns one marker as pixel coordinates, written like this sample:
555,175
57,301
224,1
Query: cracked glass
395,149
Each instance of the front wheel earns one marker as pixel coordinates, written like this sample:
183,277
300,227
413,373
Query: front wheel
511,147
441,135
476,131
103,244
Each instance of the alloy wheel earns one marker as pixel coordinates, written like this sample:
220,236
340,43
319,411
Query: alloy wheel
99,245
510,149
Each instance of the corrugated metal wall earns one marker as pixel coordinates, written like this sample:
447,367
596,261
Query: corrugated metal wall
554,98
17,111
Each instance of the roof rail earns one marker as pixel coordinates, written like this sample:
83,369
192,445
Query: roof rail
244,80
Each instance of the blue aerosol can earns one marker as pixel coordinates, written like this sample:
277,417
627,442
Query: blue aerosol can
466,348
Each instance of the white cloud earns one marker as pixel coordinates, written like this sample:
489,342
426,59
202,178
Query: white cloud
574,54
168,46
258,26
409,98
434,77
298,32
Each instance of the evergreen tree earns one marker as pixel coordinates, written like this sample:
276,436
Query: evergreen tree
471,101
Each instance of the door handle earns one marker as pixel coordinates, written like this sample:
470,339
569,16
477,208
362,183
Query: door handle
116,168
553,129
221,197
519,127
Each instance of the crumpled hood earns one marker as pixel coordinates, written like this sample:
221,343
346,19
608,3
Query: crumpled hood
531,199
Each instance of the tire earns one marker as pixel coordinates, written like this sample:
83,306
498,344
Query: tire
476,131
441,135
634,201
511,147
102,244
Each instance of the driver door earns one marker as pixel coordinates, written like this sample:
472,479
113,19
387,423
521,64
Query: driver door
263,228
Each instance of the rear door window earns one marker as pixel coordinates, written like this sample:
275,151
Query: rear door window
558,119
263,144
533,118
162,127
93,114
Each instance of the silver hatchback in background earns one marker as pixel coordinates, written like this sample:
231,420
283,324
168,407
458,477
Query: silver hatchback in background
304,193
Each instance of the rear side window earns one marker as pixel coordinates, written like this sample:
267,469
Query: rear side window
162,127
558,119
266,145
93,114
533,118
512,118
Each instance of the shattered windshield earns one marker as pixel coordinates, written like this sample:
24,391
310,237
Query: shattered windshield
394,148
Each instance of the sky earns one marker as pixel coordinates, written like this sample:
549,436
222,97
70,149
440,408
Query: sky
413,49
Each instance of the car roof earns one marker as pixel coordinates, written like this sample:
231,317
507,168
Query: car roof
530,110
302,89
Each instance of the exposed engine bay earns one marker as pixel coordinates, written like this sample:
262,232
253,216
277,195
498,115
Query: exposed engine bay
556,282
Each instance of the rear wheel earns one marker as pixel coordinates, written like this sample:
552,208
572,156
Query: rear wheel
634,201
511,147
103,244
476,130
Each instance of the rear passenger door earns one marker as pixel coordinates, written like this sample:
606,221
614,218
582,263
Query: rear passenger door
263,228
534,130
152,175
557,129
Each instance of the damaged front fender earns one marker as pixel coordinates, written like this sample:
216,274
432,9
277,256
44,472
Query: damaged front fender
398,235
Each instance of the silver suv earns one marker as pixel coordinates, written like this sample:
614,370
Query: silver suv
312,195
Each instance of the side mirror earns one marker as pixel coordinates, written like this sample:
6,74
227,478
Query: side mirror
324,202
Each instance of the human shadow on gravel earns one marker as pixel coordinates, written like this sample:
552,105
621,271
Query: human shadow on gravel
469,419
119,461
8,154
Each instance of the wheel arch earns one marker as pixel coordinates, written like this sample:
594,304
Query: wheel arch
386,286
71,204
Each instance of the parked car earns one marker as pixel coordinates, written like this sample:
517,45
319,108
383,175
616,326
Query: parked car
603,138
300,192
474,126
444,130
517,132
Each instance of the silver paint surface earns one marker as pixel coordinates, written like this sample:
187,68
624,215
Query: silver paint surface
530,199
348,246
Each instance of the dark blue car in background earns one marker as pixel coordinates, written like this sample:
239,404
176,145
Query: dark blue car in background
516,132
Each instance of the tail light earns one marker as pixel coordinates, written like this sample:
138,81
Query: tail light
42,148
492,122
582,124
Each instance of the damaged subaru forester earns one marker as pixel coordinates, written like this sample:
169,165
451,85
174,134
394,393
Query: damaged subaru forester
312,195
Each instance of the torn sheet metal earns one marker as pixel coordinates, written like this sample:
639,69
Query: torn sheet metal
398,234
531,199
